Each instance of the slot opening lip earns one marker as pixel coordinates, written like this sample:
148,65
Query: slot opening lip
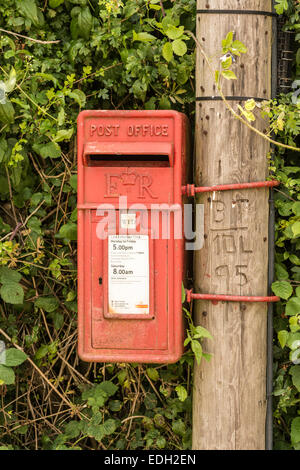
127,160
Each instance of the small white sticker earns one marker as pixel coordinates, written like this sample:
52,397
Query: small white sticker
128,221
128,274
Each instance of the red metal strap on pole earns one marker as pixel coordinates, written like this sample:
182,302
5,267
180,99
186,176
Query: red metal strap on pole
229,298
191,189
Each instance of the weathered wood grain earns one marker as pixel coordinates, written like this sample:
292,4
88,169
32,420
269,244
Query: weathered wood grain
229,401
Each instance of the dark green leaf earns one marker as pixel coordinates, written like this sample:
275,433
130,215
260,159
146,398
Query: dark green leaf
68,231
295,373
12,293
9,275
85,22
49,304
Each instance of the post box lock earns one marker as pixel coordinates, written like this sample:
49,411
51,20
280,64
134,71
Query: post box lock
131,169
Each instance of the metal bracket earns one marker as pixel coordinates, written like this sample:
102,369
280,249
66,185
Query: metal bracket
237,12
191,189
229,298
229,98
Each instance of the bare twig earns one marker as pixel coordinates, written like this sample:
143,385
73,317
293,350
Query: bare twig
71,405
39,41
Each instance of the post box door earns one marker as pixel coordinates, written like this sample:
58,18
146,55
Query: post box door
130,330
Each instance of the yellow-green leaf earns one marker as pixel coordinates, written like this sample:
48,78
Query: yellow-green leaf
229,75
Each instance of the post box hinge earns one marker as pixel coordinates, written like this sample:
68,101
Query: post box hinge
215,298
191,189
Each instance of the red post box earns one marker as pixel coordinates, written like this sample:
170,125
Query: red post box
131,169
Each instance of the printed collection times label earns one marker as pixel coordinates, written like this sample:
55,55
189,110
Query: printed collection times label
128,274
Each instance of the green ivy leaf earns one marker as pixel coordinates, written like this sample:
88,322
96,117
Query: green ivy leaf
85,22
250,105
9,275
281,272
201,332
283,337
12,293
68,231
226,43
295,373
183,295
167,51
78,96
174,33
7,375
164,103
49,304
7,113
294,259
282,289
281,6
293,306
115,405
58,319
296,229
14,357
161,442
179,47
95,396
95,431
295,430
143,37
73,182
63,134
109,426
197,350
11,81
152,374
181,392
178,427
150,401
226,63
73,429
55,3
238,47
51,150
296,208
229,75
41,352
108,387
29,9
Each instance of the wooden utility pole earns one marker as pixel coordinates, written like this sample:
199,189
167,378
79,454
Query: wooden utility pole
229,400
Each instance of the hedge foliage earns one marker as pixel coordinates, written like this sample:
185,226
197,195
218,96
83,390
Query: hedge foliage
286,120
87,54
58,57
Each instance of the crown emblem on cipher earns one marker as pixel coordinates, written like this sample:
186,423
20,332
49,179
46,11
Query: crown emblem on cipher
129,178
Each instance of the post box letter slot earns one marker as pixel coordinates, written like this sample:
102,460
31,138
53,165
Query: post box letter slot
122,154
125,160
